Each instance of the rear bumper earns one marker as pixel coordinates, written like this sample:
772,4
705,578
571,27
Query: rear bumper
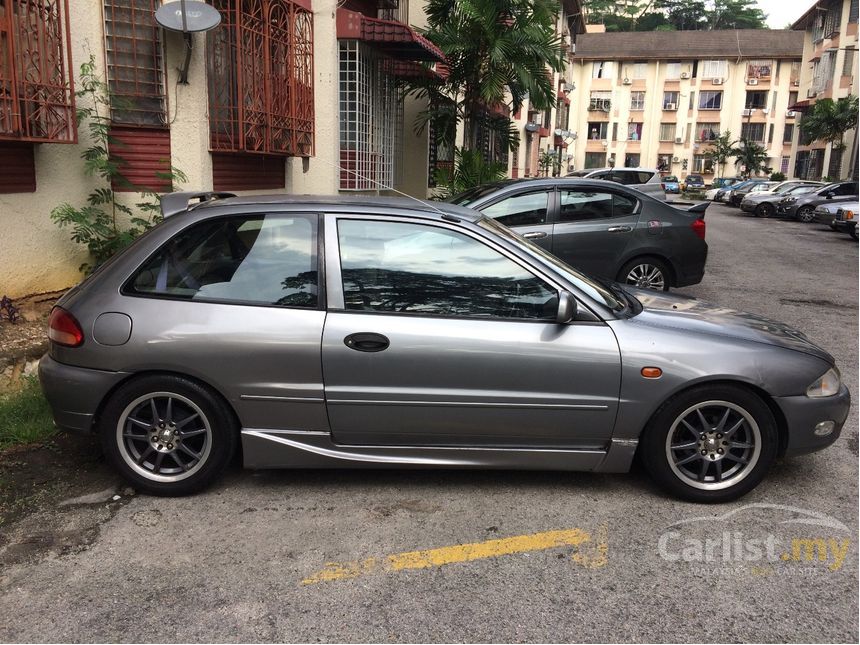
75,393
691,272
802,413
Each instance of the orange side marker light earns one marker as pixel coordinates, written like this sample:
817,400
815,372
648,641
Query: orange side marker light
652,372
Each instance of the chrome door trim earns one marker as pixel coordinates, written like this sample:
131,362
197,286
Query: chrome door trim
291,399
473,404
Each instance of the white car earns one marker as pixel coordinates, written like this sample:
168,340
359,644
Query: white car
826,213
646,180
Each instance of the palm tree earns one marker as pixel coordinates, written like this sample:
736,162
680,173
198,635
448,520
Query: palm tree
750,155
721,149
495,50
828,120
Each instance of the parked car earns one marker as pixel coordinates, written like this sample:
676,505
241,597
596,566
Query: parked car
646,180
846,219
826,213
802,207
763,203
736,195
671,185
722,182
693,182
347,332
601,228
722,194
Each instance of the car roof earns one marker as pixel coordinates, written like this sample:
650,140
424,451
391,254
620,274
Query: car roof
340,203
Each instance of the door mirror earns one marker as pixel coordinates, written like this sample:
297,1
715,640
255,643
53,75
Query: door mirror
828,194
566,307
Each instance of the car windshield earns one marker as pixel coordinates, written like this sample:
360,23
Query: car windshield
824,189
799,190
589,286
787,188
670,178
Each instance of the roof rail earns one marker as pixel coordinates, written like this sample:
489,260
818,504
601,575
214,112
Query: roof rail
174,203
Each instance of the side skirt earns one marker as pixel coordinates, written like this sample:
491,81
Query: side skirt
298,449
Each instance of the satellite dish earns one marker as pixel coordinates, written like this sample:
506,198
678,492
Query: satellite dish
187,16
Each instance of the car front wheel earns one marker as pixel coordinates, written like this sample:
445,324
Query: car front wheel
167,435
805,214
646,273
765,210
710,444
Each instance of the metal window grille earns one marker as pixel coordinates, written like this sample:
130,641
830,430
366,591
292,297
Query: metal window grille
752,131
36,88
371,116
788,133
783,165
834,169
261,96
703,164
637,100
667,131
135,67
397,10
707,131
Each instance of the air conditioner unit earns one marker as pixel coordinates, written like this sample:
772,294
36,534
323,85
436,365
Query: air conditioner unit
676,159
747,112
678,140
671,106
685,75
752,81
717,81
765,110
627,81
790,114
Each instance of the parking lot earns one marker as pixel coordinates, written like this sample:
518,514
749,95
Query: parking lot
381,556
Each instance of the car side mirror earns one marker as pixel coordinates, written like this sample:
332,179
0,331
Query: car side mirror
828,194
566,307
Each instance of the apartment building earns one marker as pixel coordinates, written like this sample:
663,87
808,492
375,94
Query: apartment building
292,96
657,99
829,70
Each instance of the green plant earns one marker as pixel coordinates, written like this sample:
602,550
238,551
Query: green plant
777,176
751,156
24,415
549,159
829,120
470,170
106,225
721,149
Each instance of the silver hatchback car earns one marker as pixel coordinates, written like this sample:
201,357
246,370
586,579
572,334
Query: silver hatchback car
346,332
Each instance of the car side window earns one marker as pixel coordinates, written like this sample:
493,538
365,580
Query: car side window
257,259
626,177
405,268
580,205
846,189
526,209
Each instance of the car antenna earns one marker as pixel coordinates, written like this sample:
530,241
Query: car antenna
340,168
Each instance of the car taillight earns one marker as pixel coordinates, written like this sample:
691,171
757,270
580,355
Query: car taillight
698,227
64,329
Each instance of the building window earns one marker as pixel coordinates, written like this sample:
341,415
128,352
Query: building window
562,116
595,160
710,100
759,68
822,71
756,100
788,133
783,165
853,11
752,132
703,164
792,99
794,77
664,163
261,95
634,131
713,69
36,86
636,71
707,131
692,103
848,64
598,130
371,115
673,71
670,100
600,101
135,70
631,160
832,20
667,132
637,100
601,69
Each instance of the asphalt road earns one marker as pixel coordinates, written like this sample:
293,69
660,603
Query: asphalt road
246,561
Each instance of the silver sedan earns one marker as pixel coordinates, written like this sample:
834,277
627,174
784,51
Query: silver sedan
368,333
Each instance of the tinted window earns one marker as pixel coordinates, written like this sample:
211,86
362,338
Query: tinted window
473,194
404,268
520,210
258,259
578,205
847,189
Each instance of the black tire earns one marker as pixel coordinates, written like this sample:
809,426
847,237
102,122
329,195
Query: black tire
162,422
666,435
647,264
853,232
805,214
765,210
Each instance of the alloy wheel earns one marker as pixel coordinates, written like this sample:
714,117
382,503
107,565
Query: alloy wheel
805,215
713,445
646,276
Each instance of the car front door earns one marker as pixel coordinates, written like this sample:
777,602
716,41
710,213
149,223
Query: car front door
593,228
437,336
527,212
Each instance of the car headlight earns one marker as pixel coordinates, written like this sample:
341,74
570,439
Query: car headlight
789,200
826,385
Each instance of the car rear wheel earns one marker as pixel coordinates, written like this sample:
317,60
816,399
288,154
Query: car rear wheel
710,444
765,210
168,435
805,214
646,273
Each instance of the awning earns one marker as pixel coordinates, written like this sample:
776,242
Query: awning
800,106
392,38
411,69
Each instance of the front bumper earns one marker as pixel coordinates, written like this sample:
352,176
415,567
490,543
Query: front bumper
786,211
802,413
844,225
748,206
75,393
824,217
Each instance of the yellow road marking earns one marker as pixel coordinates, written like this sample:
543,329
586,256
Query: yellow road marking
442,556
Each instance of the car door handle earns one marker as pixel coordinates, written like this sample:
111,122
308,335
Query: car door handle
534,235
366,342
620,229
